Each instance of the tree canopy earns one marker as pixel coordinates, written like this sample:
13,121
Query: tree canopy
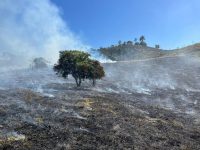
142,41
79,65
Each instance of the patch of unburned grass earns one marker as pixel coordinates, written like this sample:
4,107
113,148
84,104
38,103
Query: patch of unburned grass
86,104
39,120
29,95
9,139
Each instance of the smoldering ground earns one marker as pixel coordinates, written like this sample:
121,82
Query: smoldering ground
40,110
173,79
130,108
160,76
151,104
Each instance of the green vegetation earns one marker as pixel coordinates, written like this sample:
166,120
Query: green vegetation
136,42
157,46
79,65
129,50
138,49
142,41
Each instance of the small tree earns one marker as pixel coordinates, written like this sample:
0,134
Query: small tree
96,71
142,38
142,41
79,65
136,42
39,63
129,43
157,46
143,44
124,43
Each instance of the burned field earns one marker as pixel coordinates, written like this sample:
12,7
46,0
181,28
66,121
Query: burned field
140,105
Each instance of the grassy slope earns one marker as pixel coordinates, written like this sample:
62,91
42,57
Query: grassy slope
121,53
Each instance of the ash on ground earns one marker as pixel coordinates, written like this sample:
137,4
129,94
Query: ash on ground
139,105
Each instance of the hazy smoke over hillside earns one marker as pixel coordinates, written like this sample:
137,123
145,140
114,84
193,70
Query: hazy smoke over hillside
33,28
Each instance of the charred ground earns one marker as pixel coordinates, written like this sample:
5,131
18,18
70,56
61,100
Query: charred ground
152,104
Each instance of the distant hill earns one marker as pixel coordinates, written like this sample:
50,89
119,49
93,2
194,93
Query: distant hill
131,51
191,50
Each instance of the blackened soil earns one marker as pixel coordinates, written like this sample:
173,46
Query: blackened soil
91,121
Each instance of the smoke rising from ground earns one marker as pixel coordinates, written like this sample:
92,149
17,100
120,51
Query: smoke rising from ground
162,73
169,82
35,28
31,29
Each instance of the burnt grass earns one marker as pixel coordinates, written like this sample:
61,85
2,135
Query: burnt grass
93,121
98,118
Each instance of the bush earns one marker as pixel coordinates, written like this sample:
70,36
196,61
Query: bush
39,63
143,43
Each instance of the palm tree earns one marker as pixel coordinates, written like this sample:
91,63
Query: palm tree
142,38
136,42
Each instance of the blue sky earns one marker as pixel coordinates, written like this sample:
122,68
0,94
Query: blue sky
170,23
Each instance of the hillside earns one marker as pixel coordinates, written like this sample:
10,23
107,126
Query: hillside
153,104
150,102
191,50
137,52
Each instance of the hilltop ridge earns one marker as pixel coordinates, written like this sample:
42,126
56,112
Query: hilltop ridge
130,51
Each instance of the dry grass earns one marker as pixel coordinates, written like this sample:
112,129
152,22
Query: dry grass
29,95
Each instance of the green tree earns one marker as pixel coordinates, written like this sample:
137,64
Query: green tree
124,43
142,38
157,46
143,44
142,41
136,42
96,71
129,43
79,65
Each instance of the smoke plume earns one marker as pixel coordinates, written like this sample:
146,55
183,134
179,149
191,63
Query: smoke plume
33,28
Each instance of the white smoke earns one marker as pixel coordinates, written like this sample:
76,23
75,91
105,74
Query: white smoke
32,28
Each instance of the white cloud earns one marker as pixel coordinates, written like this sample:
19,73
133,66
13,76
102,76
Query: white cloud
30,28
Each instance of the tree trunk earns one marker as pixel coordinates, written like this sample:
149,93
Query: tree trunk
77,83
78,80
93,82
